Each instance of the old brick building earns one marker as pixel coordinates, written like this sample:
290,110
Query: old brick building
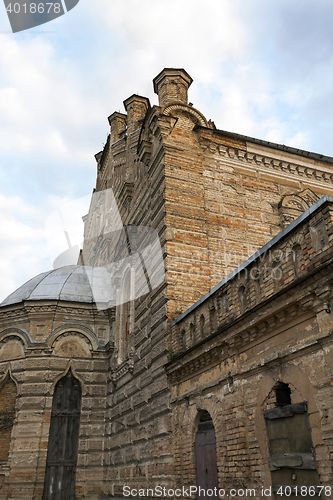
222,372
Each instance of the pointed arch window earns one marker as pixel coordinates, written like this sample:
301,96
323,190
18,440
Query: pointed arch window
63,443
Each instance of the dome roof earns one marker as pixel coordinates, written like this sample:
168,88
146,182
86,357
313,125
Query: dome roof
70,283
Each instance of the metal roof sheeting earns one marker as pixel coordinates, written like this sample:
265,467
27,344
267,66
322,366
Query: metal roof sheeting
70,283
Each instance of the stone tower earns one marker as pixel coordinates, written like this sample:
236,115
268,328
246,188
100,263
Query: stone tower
213,198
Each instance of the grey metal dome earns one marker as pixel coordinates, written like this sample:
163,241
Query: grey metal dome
70,283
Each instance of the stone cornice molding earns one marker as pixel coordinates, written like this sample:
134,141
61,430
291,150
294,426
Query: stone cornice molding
260,366
13,311
121,370
198,364
267,163
185,369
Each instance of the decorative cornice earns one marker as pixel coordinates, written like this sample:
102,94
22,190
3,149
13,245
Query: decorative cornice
266,162
13,313
264,326
120,371
34,308
234,342
198,364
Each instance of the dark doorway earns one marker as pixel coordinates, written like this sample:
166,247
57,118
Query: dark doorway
292,460
63,440
205,457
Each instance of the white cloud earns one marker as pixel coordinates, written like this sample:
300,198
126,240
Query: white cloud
25,239
22,243
41,102
177,34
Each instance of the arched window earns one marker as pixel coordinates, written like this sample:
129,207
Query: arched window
255,276
63,440
205,455
8,395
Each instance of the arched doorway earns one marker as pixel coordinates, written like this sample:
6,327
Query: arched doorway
205,456
63,440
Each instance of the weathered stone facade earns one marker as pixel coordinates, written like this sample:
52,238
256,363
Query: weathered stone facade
36,363
283,333
150,367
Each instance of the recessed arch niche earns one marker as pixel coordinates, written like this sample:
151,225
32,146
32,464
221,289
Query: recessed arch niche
205,456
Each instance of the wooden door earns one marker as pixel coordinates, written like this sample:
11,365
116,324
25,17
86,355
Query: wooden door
205,456
292,460
63,440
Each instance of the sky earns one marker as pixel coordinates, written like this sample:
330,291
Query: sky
260,68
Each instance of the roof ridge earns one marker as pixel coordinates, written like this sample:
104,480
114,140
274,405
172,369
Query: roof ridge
70,274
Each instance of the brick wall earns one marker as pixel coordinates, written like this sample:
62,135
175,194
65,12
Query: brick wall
233,370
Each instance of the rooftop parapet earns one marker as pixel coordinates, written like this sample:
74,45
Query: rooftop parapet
117,123
136,108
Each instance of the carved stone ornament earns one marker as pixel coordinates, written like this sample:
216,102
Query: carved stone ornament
292,206
187,111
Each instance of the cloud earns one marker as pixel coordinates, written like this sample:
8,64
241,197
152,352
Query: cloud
171,34
42,108
22,243
25,239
